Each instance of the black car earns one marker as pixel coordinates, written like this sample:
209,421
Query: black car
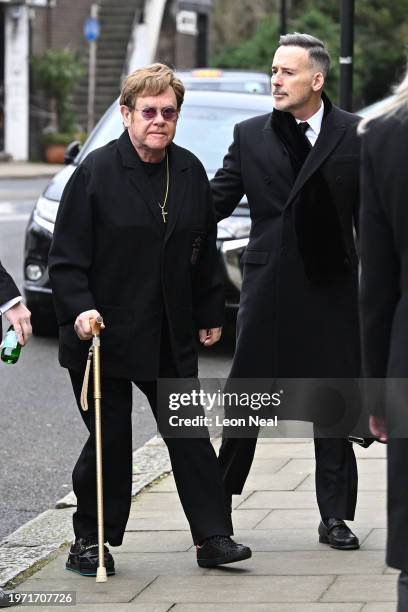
205,127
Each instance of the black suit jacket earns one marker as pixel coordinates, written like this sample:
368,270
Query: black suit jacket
110,252
288,324
384,308
8,289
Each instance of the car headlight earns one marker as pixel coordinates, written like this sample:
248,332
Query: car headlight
45,213
234,227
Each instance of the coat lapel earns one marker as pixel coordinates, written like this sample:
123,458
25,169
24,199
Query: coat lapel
332,131
179,166
282,165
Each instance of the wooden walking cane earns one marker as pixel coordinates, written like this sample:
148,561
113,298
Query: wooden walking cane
101,575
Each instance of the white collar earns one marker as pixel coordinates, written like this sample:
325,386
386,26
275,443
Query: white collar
315,121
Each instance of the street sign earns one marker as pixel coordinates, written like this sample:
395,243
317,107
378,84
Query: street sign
186,22
92,29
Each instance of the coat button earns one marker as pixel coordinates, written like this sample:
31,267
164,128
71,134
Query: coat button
283,250
267,180
339,180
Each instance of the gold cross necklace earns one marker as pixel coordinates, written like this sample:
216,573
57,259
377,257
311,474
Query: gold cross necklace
163,206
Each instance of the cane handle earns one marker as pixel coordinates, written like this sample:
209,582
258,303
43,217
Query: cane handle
96,325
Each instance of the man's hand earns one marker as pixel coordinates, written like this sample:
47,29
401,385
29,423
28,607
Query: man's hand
82,324
378,428
19,317
208,337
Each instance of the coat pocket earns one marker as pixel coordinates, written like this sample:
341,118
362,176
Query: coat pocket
255,257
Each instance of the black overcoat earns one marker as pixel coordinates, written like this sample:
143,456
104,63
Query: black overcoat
111,252
8,289
291,324
384,301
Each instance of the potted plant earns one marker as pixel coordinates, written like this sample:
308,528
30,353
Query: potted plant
57,71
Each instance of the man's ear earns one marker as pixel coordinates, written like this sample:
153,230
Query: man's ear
126,115
318,81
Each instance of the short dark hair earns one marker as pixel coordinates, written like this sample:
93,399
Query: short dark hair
318,53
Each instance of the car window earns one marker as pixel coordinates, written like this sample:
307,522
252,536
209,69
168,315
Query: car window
205,130
232,86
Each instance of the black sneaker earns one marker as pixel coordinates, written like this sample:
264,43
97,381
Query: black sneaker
83,557
219,550
5,601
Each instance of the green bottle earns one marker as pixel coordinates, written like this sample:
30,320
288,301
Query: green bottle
10,348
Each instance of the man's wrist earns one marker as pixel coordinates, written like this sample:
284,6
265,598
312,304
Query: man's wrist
9,304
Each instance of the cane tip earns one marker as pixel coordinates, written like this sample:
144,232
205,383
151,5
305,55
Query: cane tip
101,575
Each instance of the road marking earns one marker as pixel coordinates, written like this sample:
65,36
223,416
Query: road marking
4,219
14,211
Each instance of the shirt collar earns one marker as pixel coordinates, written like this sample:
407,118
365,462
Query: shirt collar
315,121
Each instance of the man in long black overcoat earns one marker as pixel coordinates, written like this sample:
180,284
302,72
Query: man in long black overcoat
135,241
298,314
384,310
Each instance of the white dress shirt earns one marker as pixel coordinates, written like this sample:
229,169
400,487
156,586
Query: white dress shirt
7,305
315,124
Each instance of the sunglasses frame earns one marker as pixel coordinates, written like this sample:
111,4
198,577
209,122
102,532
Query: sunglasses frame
158,110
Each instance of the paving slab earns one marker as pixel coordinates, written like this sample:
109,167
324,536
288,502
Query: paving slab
376,539
122,607
362,588
304,450
281,607
276,540
305,499
299,518
379,607
245,589
115,590
314,562
131,565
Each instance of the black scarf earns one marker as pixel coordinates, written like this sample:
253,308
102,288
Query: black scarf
318,227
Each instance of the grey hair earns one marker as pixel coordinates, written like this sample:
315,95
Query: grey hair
318,53
398,105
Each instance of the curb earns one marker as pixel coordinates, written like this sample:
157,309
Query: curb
11,172
34,544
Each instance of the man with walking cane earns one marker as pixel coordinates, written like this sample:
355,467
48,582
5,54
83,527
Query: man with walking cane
134,242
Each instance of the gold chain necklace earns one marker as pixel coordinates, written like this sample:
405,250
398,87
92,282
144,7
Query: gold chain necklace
163,206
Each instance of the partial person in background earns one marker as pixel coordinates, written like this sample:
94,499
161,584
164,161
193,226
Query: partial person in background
384,303
12,309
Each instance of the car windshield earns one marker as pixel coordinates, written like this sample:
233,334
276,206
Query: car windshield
204,130
259,87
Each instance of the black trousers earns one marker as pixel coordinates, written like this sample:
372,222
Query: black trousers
402,592
336,472
194,463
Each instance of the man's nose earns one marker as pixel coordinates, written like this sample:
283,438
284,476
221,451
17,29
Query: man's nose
276,78
158,120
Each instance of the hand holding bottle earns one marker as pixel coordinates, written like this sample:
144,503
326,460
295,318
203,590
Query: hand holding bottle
19,318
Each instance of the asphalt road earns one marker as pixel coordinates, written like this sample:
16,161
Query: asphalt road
41,430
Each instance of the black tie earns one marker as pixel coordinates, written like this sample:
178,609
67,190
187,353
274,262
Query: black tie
303,127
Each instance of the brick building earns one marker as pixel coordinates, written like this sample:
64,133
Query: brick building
132,33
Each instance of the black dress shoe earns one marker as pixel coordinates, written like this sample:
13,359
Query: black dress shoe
336,534
4,600
219,550
83,557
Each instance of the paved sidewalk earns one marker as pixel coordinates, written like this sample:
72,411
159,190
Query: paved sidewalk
23,170
277,516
